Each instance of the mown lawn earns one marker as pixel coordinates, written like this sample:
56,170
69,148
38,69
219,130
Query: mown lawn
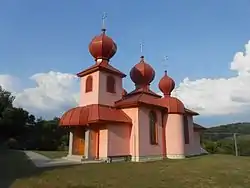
53,154
211,171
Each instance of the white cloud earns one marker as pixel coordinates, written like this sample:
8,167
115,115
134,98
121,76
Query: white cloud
241,62
8,82
56,92
223,96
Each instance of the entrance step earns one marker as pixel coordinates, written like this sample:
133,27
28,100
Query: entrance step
77,158
81,159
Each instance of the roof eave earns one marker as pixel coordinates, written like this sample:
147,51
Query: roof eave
91,70
138,104
191,112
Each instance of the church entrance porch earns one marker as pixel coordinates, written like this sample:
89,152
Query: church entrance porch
84,143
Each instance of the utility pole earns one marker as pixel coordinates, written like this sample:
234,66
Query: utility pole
235,144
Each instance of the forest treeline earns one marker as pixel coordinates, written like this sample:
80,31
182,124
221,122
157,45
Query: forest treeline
20,129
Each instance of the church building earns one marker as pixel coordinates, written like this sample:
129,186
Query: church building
111,123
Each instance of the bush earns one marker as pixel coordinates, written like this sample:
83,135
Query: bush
210,147
12,143
62,147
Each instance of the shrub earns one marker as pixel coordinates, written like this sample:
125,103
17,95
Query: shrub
12,143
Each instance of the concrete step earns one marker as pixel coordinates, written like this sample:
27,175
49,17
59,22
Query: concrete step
77,158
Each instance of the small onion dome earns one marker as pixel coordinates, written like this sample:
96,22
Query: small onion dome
124,92
174,105
102,47
166,85
142,74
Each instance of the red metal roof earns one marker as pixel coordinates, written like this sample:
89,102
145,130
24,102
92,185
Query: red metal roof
191,112
104,66
174,105
95,113
145,90
140,97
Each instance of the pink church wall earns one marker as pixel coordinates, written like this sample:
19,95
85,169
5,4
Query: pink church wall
175,136
99,95
189,148
90,97
145,147
105,97
119,140
134,139
197,144
194,146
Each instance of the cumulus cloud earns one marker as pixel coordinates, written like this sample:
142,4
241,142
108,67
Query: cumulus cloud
223,96
56,92
10,83
241,62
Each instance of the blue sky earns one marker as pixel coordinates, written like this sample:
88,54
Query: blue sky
200,37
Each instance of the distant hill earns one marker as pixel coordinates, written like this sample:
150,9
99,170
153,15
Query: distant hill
219,139
222,131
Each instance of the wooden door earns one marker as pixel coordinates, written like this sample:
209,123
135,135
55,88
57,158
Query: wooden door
81,146
94,144
78,141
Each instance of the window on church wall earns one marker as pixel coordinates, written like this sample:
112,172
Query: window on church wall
153,127
110,84
89,84
186,130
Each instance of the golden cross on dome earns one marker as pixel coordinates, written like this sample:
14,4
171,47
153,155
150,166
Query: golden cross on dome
104,16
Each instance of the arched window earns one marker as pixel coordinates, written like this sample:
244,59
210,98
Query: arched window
110,84
186,131
89,84
153,127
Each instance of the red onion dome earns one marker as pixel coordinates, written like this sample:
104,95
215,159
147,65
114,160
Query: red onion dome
102,47
166,84
142,74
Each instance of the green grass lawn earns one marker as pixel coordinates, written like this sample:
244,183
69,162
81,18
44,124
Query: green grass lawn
215,171
53,154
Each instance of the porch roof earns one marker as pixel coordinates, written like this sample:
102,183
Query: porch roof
95,113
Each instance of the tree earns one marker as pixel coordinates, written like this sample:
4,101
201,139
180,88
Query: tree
13,121
22,130
6,100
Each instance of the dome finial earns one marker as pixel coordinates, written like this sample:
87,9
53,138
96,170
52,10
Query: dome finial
141,47
103,30
104,16
164,63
